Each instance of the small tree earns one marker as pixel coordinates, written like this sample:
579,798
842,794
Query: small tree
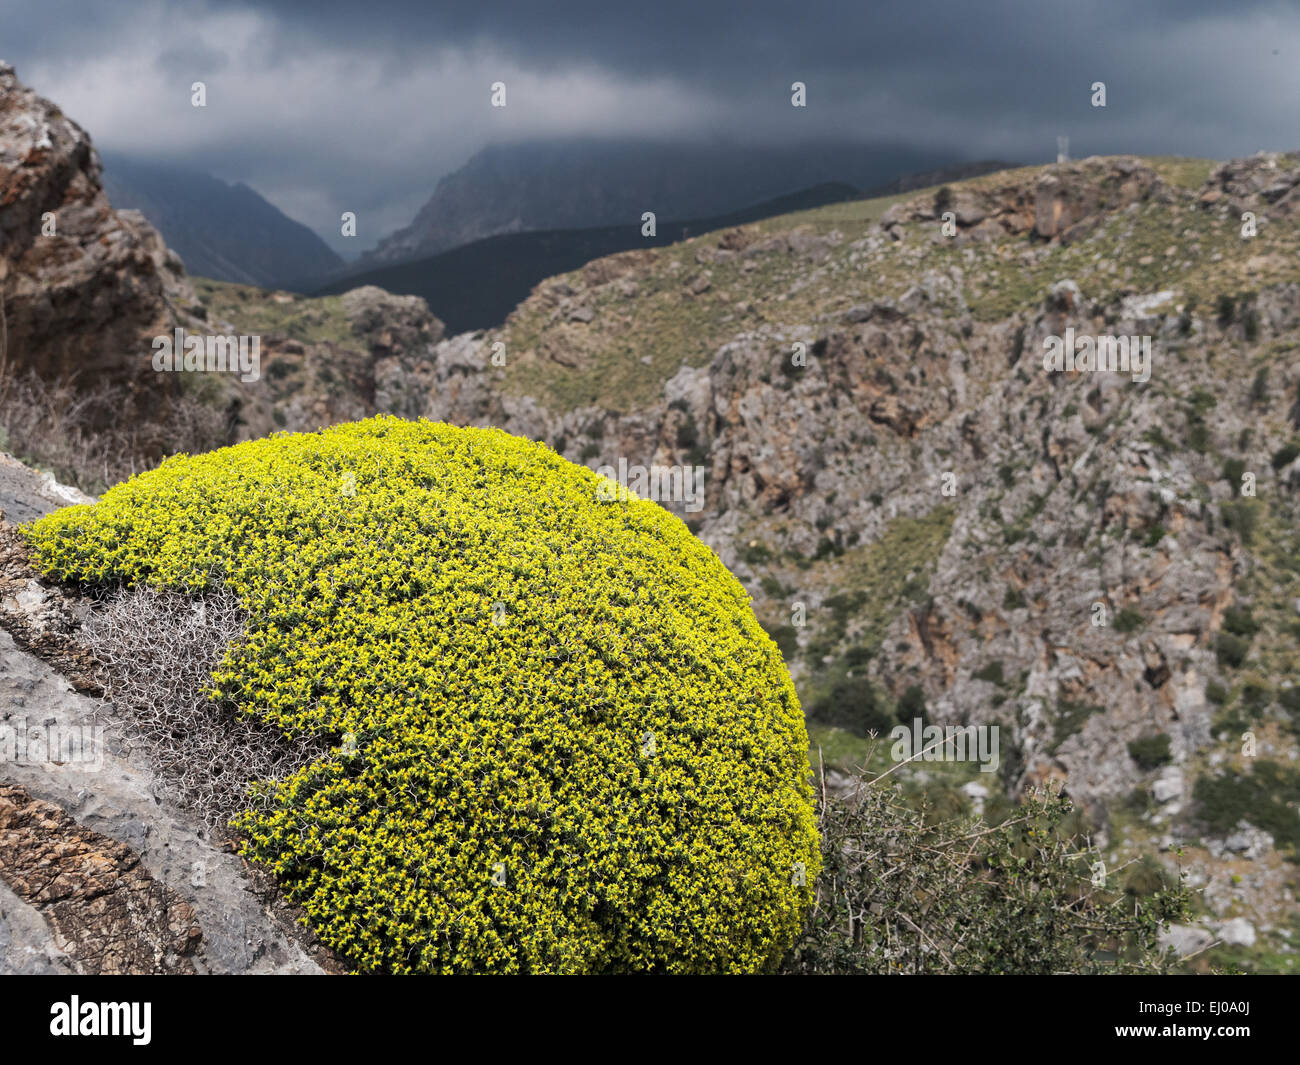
900,893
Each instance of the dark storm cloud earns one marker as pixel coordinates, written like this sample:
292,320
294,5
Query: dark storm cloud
326,107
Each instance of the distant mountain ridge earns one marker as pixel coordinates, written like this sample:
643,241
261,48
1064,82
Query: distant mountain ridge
477,285
223,231
585,183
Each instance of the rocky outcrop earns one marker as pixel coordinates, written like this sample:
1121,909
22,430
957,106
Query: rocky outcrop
85,288
1060,203
1246,184
107,914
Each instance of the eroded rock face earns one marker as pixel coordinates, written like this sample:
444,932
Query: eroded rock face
1246,184
108,914
86,288
1061,203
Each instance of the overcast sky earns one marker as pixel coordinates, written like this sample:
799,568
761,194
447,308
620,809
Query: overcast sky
327,107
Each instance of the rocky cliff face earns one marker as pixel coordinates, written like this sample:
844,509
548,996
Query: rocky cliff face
85,288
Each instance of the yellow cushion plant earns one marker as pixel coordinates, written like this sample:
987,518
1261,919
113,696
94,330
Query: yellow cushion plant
560,740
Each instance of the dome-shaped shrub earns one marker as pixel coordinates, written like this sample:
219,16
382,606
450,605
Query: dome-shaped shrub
560,740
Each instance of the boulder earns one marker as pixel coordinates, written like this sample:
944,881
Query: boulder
84,289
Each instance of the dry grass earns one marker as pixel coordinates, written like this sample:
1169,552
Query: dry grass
94,438
158,651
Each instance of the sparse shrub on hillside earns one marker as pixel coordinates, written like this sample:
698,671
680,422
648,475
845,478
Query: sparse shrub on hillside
1127,620
786,638
1265,797
1013,598
1198,432
1231,650
855,657
1242,517
1240,621
911,704
1156,436
1150,752
1285,455
1250,324
1255,695
1289,700
1232,471
1146,877
902,892
96,437
852,704
559,739
1259,387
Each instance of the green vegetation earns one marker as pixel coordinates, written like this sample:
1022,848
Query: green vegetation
1289,700
559,739
1265,797
1240,621
1233,469
1150,752
1285,455
1129,619
260,311
960,895
875,581
786,638
1230,650
852,705
1242,517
